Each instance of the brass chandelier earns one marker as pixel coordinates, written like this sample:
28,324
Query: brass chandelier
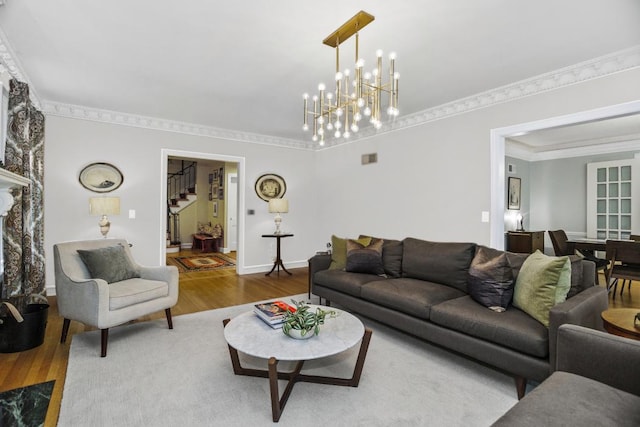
355,98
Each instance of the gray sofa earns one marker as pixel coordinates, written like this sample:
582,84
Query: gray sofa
425,294
596,383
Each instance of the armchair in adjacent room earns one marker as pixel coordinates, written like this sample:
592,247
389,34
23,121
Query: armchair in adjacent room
99,283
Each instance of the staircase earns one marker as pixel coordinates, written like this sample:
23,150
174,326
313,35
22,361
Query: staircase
181,192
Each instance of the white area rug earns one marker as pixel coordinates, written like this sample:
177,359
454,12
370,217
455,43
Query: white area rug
153,376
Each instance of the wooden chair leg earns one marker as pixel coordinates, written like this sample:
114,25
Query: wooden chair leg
104,340
521,386
65,330
167,312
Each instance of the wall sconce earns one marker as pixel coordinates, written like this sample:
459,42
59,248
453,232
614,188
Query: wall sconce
278,206
103,206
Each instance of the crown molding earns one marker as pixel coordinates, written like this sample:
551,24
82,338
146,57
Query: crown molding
584,71
613,63
9,63
632,145
134,120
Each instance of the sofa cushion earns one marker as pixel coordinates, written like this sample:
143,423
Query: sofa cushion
349,283
513,328
566,399
410,296
365,259
491,280
135,291
339,251
439,262
543,282
109,263
391,256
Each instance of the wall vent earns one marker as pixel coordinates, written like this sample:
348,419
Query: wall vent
369,158
511,168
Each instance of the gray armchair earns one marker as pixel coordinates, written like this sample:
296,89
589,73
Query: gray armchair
103,286
596,383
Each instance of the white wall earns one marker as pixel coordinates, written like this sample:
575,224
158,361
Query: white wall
432,181
71,144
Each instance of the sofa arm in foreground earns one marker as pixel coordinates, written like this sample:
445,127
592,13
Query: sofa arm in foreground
603,357
583,309
597,384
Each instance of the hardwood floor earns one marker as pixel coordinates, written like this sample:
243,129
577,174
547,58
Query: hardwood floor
199,291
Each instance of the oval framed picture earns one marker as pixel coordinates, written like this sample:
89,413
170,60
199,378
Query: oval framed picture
270,186
100,177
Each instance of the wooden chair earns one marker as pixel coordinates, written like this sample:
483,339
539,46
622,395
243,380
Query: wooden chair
561,248
624,256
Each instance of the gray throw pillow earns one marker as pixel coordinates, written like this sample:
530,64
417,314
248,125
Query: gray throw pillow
365,259
109,263
491,279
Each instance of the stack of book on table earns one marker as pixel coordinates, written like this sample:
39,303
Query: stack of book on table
272,312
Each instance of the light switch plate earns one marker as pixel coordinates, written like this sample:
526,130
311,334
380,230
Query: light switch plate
485,216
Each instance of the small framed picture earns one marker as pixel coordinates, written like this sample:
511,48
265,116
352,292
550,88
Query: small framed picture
220,194
210,178
513,193
221,177
214,190
215,209
213,177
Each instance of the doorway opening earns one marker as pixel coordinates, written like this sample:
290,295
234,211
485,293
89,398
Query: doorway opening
497,149
217,173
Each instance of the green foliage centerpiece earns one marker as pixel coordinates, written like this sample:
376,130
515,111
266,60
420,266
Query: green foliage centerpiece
304,323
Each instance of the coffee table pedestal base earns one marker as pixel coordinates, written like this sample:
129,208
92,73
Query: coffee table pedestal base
277,402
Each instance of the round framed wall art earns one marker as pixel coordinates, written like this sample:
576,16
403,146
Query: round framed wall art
270,186
100,177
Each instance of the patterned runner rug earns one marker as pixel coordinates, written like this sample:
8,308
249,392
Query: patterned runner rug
205,262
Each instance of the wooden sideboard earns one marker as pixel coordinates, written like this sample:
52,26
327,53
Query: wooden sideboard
525,241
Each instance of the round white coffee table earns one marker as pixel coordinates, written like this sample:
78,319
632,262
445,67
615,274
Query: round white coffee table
250,335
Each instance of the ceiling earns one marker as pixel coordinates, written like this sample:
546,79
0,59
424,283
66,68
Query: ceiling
244,65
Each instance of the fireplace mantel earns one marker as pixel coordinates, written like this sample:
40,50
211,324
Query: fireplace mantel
8,181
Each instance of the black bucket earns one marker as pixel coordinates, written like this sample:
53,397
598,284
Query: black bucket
20,336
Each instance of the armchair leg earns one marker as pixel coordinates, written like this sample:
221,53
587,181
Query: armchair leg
167,312
105,339
65,330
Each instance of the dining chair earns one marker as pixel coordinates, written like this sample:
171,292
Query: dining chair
624,258
561,248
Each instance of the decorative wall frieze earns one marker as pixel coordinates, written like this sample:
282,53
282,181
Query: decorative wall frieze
114,117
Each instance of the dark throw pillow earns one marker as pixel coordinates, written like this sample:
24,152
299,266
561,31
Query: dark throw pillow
365,259
339,251
109,263
491,280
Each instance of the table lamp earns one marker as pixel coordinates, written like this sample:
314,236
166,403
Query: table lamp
103,206
278,206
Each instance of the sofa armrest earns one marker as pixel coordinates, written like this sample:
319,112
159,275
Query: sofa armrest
583,309
603,357
317,263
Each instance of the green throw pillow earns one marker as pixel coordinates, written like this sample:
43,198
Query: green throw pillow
110,263
543,282
339,251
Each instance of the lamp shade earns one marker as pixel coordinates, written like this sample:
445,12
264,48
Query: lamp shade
278,206
104,206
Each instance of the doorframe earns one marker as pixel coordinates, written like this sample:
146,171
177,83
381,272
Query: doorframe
497,154
165,153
